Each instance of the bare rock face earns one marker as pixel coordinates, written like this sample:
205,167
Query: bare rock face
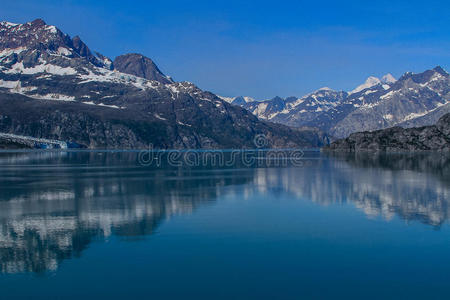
397,139
443,125
140,66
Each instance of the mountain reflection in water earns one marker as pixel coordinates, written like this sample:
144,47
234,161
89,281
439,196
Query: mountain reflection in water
53,205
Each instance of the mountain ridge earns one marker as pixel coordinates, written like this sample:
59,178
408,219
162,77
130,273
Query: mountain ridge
54,87
412,100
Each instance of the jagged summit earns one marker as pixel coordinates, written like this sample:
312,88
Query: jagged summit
370,82
46,39
388,78
37,35
440,70
38,22
424,76
30,34
239,100
138,65
373,81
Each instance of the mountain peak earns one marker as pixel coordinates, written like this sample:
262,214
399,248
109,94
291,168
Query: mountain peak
277,99
239,100
38,23
440,70
388,78
424,76
81,47
325,88
139,65
36,35
370,82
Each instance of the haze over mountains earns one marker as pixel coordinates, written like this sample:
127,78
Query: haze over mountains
54,87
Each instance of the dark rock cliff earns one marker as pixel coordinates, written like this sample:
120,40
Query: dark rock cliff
397,139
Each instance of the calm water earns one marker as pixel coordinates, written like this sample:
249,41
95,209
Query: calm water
100,225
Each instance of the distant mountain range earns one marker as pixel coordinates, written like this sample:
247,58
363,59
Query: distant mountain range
412,100
55,91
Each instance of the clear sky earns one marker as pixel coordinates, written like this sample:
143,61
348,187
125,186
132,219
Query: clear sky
260,48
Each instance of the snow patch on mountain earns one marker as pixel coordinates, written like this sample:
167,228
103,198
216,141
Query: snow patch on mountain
8,24
104,75
370,82
53,97
8,51
103,105
159,117
412,116
52,29
226,99
9,84
373,81
388,78
64,51
16,87
19,68
237,100
325,88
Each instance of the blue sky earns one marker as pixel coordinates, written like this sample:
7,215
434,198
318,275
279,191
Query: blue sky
261,48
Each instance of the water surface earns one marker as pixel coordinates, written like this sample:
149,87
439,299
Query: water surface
100,224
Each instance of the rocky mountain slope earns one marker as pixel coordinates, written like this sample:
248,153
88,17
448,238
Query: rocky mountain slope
413,100
54,87
140,66
397,139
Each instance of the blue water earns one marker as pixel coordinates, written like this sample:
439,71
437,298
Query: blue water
101,225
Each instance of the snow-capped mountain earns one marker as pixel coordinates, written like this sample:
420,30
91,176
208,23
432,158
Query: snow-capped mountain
54,87
298,112
240,100
413,100
388,78
373,81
